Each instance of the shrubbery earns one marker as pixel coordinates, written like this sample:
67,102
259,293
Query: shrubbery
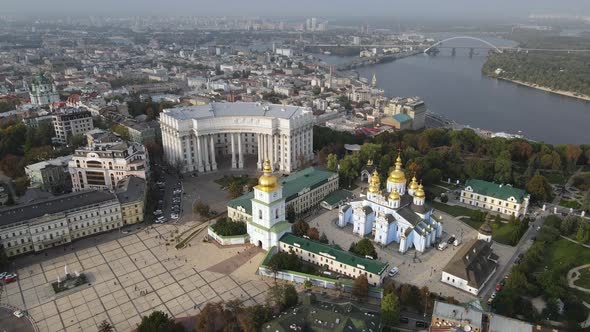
227,227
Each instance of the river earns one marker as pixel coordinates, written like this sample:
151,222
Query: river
454,87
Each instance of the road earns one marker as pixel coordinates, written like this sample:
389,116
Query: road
523,245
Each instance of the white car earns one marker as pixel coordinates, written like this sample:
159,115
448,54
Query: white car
18,314
3,274
174,216
394,271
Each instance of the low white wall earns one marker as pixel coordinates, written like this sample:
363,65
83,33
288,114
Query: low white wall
227,240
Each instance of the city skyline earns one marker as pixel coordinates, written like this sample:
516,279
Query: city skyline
396,8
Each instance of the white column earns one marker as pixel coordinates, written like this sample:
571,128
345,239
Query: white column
240,154
189,158
233,151
199,151
259,143
276,141
213,163
206,153
271,151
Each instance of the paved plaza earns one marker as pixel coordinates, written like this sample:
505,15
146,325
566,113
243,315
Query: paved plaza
420,269
132,276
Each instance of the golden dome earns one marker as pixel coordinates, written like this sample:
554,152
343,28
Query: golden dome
394,195
397,175
370,162
267,182
413,184
374,183
419,193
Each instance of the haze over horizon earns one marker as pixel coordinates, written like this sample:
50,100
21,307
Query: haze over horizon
398,8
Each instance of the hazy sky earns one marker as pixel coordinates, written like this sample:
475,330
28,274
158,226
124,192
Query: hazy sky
397,8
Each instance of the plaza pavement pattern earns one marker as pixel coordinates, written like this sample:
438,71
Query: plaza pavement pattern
130,277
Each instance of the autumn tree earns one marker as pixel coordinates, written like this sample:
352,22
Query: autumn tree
300,227
234,189
539,188
158,321
360,287
313,233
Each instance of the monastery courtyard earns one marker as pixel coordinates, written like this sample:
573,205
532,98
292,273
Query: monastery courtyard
132,276
420,269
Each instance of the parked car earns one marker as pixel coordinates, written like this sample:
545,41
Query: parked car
18,314
451,240
490,301
404,320
2,275
157,212
394,271
174,216
420,323
457,242
442,246
10,278
493,296
499,287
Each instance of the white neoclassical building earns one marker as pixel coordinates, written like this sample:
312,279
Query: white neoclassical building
197,137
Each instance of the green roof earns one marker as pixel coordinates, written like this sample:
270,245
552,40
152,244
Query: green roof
495,190
337,196
280,226
310,177
341,256
402,118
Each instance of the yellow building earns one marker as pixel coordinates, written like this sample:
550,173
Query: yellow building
131,193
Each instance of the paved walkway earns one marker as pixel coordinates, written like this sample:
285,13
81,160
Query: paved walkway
576,242
573,275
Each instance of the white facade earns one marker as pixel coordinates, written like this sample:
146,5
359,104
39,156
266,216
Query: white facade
102,165
395,215
499,198
46,224
196,137
71,122
268,223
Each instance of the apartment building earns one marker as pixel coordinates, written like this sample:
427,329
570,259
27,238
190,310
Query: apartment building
101,166
69,122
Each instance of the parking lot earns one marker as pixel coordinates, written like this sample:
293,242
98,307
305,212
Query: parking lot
132,276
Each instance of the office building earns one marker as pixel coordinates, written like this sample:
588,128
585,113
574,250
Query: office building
196,137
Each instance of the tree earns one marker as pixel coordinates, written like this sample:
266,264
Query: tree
290,296
234,189
290,214
105,326
121,130
360,287
539,188
405,295
332,162
202,209
364,248
314,234
158,321
503,168
21,184
211,318
76,141
583,233
324,238
307,284
300,228
390,309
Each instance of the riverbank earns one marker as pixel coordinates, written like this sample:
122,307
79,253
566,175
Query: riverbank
544,88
